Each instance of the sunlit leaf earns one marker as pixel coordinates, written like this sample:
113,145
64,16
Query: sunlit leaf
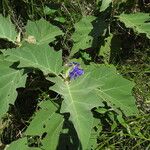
37,56
10,79
47,121
105,50
7,29
98,84
79,99
42,31
87,33
114,89
105,5
49,11
81,37
139,22
21,143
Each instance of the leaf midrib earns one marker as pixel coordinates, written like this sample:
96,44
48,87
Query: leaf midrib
74,108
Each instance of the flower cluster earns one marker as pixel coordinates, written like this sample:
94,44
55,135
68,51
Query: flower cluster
76,71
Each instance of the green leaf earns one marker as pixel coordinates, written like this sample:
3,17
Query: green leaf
37,56
20,143
7,29
10,79
99,83
97,128
49,11
60,19
81,37
139,22
42,31
105,5
47,121
79,99
114,89
105,50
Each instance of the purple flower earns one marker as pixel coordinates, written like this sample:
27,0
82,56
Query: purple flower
76,71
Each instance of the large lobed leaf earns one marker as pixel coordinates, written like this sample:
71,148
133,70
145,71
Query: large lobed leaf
7,29
42,31
47,121
37,56
81,37
88,32
114,89
10,79
79,99
140,22
98,84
